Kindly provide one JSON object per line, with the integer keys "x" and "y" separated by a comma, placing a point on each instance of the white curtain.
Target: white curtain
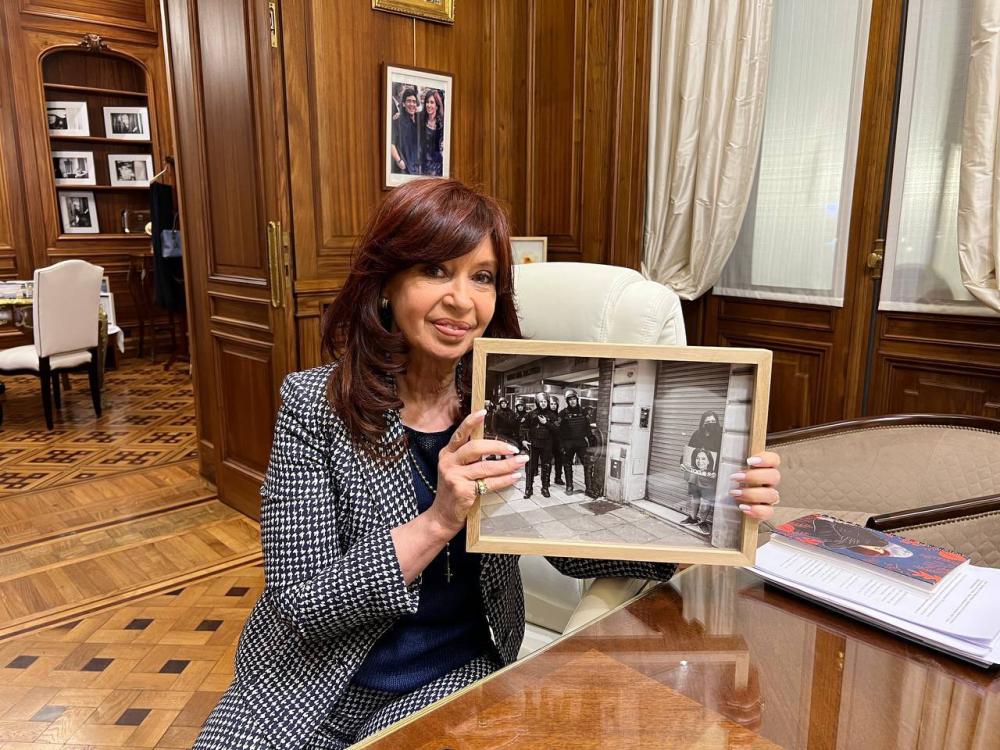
{"x": 979, "y": 176}
{"x": 707, "y": 91}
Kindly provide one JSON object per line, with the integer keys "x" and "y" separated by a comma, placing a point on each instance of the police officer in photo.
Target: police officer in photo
{"x": 520, "y": 415}
{"x": 557, "y": 452}
{"x": 575, "y": 425}
{"x": 505, "y": 424}
{"x": 540, "y": 428}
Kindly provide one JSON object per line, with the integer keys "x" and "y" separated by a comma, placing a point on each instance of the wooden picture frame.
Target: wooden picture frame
{"x": 438, "y": 11}
{"x": 397, "y": 83}
{"x": 646, "y": 410}
{"x": 529, "y": 249}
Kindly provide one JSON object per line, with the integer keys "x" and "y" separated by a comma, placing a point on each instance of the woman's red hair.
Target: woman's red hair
{"x": 423, "y": 221}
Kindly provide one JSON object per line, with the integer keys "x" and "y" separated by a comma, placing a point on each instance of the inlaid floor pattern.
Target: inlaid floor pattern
{"x": 144, "y": 675}
{"x": 148, "y": 420}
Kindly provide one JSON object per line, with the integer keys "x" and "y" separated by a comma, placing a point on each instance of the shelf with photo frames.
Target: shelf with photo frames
{"x": 100, "y": 139}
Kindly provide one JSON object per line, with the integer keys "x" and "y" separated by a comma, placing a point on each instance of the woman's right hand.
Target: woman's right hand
{"x": 460, "y": 464}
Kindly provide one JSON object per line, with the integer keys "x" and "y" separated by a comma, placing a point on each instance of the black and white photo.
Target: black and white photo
{"x": 623, "y": 449}
{"x": 130, "y": 170}
{"x": 79, "y": 212}
{"x": 67, "y": 118}
{"x": 417, "y": 124}
{"x": 73, "y": 167}
{"x": 126, "y": 123}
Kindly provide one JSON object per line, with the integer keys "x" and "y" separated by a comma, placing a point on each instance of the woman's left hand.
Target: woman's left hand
{"x": 757, "y": 486}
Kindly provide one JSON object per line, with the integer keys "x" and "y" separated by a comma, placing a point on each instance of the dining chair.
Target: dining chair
{"x": 65, "y": 328}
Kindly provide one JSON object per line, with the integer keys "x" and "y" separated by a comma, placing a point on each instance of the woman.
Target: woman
{"x": 706, "y": 443}
{"x": 432, "y": 133}
{"x": 372, "y": 609}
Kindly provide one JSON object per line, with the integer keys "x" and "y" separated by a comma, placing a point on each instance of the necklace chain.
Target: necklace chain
{"x": 433, "y": 489}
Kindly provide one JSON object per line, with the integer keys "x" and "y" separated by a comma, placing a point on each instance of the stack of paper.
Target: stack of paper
{"x": 961, "y": 615}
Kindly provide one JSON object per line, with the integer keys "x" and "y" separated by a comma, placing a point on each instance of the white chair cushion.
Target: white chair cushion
{"x": 26, "y": 358}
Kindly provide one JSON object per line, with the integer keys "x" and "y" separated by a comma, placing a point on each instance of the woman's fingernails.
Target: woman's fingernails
{"x": 513, "y": 448}
{"x": 755, "y": 460}
{"x": 480, "y": 413}
{"x": 736, "y": 493}
{"x": 516, "y": 475}
{"x": 522, "y": 459}
{"x": 739, "y": 476}
{"x": 745, "y": 508}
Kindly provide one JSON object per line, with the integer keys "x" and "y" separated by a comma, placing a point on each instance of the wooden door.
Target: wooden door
{"x": 229, "y": 120}
{"x": 834, "y": 363}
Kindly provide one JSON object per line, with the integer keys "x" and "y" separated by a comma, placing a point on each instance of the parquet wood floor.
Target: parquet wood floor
{"x": 148, "y": 420}
{"x": 142, "y": 675}
{"x": 124, "y": 582}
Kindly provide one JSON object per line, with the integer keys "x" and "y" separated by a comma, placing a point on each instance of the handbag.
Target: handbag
{"x": 170, "y": 241}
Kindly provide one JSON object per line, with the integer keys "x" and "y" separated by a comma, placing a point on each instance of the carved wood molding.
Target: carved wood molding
{"x": 94, "y": 43}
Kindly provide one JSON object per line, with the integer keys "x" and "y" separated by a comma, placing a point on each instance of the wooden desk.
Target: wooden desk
{"x": 716, "y": 659}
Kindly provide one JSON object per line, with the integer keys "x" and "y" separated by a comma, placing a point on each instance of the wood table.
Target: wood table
{"x": 717, "y": 659}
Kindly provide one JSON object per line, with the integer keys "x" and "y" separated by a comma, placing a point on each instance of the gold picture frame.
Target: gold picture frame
{"x": 438, "y": 11}
{"x": 641, "y": 404}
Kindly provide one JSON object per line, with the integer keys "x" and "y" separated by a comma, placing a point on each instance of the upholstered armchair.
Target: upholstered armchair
{"x": 65, "y": 317}
{"x": 930, "y": 477}
{"x": 586, "y": 302}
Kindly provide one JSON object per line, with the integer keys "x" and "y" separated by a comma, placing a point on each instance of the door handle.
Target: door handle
{"x": 274, "y": 263}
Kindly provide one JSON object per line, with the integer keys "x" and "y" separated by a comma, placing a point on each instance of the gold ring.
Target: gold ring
{"x": 481, "y": 488}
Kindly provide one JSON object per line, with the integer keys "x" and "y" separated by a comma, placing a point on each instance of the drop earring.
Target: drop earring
{"x": 383, "y": 303}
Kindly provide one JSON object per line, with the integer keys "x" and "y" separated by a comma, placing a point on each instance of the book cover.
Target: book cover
{"x": 921, "y": 563}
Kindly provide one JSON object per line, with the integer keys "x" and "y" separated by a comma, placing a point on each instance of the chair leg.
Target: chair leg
{"x": 57, "y": 390}
{"x": 45, "y": 375}
{"x": 66, "y": 385}
{"x": 95, "y": 382}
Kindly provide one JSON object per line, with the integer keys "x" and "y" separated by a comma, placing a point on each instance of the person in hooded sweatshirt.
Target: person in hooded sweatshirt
{"x": 702, "y": 473}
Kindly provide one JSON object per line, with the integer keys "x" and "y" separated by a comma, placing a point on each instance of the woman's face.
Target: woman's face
{"x": 441, "y": 307}
{"x": 430, "y": 106}
{"x": 701, "y": 461}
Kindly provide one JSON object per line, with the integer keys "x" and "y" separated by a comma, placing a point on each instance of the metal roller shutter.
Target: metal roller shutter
{"x": 684, "y": 391}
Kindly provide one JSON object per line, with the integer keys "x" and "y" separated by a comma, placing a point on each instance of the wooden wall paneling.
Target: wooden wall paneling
{"x": 309, "y": 334}
{"x": 15, "y": 252}
{"x": 333, "y": 80}
{"x": 508, "y": 106}
{"x": 121, "y": 14}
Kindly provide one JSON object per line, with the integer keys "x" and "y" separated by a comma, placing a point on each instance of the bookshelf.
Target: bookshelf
{"x": 78, "y": 81}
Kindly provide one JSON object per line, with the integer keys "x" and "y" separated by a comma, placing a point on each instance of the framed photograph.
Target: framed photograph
{"x": 439, "y": 11}
{"x": 416, "y": 124}
{"x": 79, "y": 212}
{"x": 130, "y": 170}
{"x": 126, "y": 123}
{"x": 74, "y": 167}
{"x": 530, "y": 249}
{"x": 631, "y": 449}
{"x": 67, "y": 118}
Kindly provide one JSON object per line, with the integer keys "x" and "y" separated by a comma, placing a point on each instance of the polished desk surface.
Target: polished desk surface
{"x": 717, "y": 659}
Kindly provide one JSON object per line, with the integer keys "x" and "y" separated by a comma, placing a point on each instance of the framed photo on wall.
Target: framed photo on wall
{"x": 79, "y": 212}
{"x": 416, "y": 124}
{"x": 130, "y": 170}
{"x": 439, "y": 11}
{"x": 74, "y": 167}
{"x": 126, "y": 123}
{"x": 631, "y": 449}
{"x": 67, "y": 118}
{"x": 529, "y": 249}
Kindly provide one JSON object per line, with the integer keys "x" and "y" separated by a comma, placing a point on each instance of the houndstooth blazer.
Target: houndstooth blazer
{"x": 333, "y": 584}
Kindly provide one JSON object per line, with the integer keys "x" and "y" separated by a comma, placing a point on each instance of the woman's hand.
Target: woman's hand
{"x": 756, "y": 490}
{"x": 460, "y": 464}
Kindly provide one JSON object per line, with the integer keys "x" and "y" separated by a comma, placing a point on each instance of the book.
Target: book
{"x": 960, "y": 616}
{"x": 922, "y": 566}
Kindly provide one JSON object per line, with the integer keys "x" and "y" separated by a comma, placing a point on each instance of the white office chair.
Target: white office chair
{"x": 585, "y": 302}
{"x": 65, "y": 321}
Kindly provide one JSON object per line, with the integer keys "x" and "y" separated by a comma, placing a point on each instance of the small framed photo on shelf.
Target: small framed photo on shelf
{"x": 645, "y": 439}
{"x": 67, "y": 118}
{"x": 134, "y": 221}
{"x": 529, "y": 249}
{"x": 416, "y": 126}
{"x": 79, "y": 212}
{"x": 74, "y": 167}
{"x": 126, "y": 123}
{"x": 130, "y": 170}
{"x": 439, "y": 11}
